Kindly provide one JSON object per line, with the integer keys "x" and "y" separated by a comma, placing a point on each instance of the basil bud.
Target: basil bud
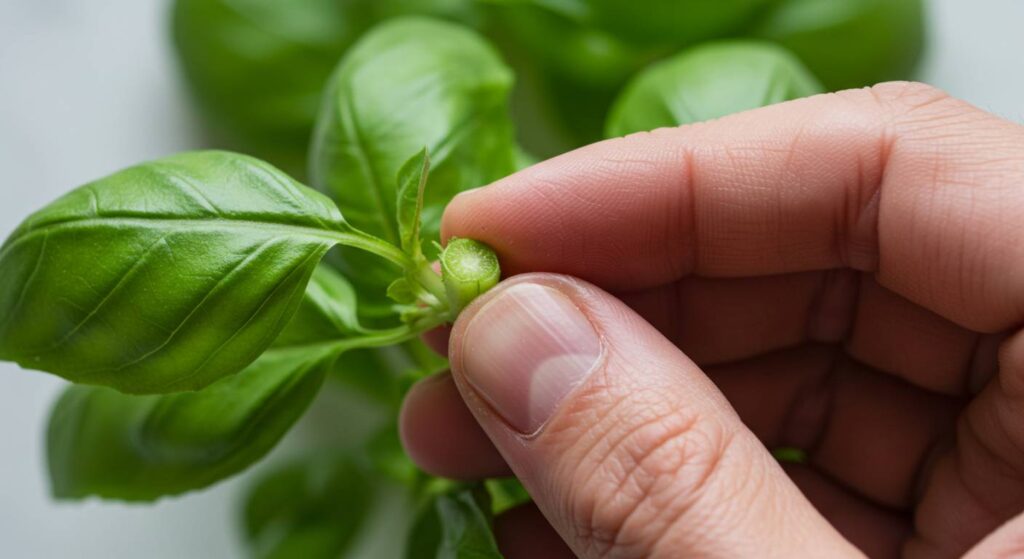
{"x": 468, "y": 268}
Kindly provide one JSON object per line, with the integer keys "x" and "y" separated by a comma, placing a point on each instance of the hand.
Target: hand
{"x": 842, "y": 274}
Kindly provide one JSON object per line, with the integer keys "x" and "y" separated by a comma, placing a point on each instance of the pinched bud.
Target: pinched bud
{"x": 468, "y": 268}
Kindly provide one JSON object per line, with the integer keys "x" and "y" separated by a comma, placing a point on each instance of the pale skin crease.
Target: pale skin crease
{"x": 843, "y": 273}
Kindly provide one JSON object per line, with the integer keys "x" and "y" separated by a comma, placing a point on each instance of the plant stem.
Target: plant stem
{"x": 371, "y": 244}
{"x": 426, "y": 276}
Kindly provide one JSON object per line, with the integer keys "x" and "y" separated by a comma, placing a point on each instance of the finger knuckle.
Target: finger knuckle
{"x": 907, "y": 95}
{"x": 648, "y": 475}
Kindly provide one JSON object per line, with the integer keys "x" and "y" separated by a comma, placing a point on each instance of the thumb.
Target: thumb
{"x": 626, "y": 446}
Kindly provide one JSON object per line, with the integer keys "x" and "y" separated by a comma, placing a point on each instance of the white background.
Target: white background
{"x": 89, "y": 87}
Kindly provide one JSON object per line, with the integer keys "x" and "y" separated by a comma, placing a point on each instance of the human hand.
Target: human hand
{"x": 842, "y": 274}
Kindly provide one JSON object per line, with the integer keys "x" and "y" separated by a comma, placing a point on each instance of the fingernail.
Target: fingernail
{"x": 526, "y": 350}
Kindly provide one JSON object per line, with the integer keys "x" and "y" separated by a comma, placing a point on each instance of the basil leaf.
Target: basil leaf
{"x": 506, "y": 493}
{"x": 407, "y": 84}
{"x": 105, "y": 443}
{"x": 568, "y": 71}
{"x": 166, "y": 276}
{"x": 258, "y": 67}
{"x": 709, "y": 81}
{"x": 310, "y": 509}
{"x": 412, "y": 180}
{"x": 678, "y": 22}
{"x": 455, "y": 525}
{"x": 850, "y": 43}
{"x": 327, "y": 312}
{"x": 101, "y": 442}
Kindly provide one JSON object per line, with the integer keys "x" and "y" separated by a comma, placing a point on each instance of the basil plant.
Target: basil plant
{"x": 188, "y": 298}
{"x": 201, "y": 302}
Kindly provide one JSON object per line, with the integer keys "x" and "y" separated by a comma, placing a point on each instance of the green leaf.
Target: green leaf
{"x": 327, "y": 312}
{"x": 677, "y": 22}
{"x": 850, "y": 43}
{"x": 454, "y": 525}
{"x": 707, "y": 82}
{"x": 412, "y": 181}
{"x": 568, "y": 70}
{"x": 506, "y": 493}
{"x": 104, "y": 443}
{"x": 166, "y": 276}
{"x": 310, "y": 509}
{"x": 401, "y": 291}
{"x": 389, "y": 458}
{"x": 258, "y": 67}
{"x": 788, "y": 454}
{"x": 407, "y": 84}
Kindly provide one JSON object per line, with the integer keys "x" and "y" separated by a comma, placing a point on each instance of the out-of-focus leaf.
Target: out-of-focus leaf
{"x": 710, "y": 81}
{"x": 389, "y": 458}
{"x": 506, "y": 493}
{"x": 312, "y": 509}
{"x": 850, "y": 43}
{"x": 674, "y": 22}
{"x": 257, "y": 67}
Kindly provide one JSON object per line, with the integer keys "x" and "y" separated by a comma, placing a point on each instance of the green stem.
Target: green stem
{"x": 371, "y": 244}
{"x": 392, "y": 336}
{"x": 428, "y": 278}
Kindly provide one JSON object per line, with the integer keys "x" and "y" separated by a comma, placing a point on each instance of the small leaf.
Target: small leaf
{"x": 506, "y": 493}
{"x": 412, "y": 180}
{"x": 401, "y": 291}
{"x": 454, "y": 525}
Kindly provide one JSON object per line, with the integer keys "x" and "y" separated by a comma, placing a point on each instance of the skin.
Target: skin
{"x": 843, "y": 273}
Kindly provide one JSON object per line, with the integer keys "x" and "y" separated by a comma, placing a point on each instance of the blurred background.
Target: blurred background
{"x": 87, "y": 88}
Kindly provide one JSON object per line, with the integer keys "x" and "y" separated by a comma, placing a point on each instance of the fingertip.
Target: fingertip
{"x": 441, "y": 436}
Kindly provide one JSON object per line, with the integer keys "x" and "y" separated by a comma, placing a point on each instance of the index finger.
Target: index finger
{"x": 901, "y": 180}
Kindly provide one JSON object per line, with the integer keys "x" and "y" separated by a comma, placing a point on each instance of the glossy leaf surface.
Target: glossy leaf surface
{"x": 407, "y": 84}
{"x": 850, "y": 43}
{"x": 165, "y": 276}
{"x": 710, "y": 81}
{"x": 113, "y": 445}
